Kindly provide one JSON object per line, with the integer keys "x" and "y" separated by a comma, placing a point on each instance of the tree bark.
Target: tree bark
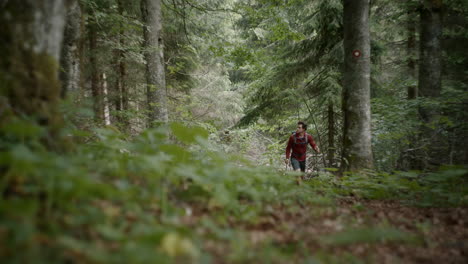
{"x": 117, "y": 92}
{"x": 430, "y": 72}
{"x": 70, "y": 60}
{"x": 411, "y": 48}
{"x": 154, "y": 56}
{"x": 121, "y": 98}
{"x": 95, "y": 80}
{"x": 430, "y": 51}
{"x": 331, "y": 135}
{"x": 357, "y": 149}
{"x": 105, "y": 100}
{"x": 408, "y": 158}
{"x": 31, "y": 35}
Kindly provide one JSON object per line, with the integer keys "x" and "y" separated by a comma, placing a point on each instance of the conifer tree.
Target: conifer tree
{"x": 154, "y": 56}
{"x": 357, "y": 149}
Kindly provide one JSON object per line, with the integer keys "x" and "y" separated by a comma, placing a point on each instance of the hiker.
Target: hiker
{"x": 298, "y": 144}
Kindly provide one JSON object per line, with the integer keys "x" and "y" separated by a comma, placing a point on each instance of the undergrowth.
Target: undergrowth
{"x": 114, "y": 200}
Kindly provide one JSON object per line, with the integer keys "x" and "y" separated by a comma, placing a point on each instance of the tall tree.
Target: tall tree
{"x": 70, "y": 59}
{"x": 331, "y": 134}
{"x": 154, "y": 56}
{"x": 409, "y": 156}
{"x": 430, "y": 81}
{"x": 30, "y": 40}
{"x": 430, "y": 51}
{"x": 411, "y": 49}
{"x": 357, "y": 149}
{"x": 105, "y": 99}
{"x": 95, "y": 77}
{"x": 121, "y": 89}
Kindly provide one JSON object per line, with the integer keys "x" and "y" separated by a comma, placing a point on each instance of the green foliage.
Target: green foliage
{"x": 369, "y": 235}
{"x": 114, "y": 200}
{"x": 397, "y": 127}
{"x": 292, "y": 72}
{"x": 188, "y": 134}
{"x": 395, "y": 122}
{"x": 118, "y": 198}
{"x": 446, "y": 187}
{"x": 119, "y": 201}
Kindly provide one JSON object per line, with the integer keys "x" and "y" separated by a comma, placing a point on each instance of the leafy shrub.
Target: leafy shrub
{"x": 114, "y": 200}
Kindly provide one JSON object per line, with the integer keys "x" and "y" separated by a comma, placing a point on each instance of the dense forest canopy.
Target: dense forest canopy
{"x": 155, "y": 131}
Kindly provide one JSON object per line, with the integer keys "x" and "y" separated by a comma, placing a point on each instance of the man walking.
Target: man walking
{"x": 298, "y": 144}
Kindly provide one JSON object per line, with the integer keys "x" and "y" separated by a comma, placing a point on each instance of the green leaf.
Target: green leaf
{"x": 178, "y": 153}
{"x": 22, "y": 154}
{"x": 23, "y": 128}
{"x": 369, "y": 235}
{"x": 109, "y": 232}
{"x": 446, "y": 175}
{"x": 188, "y": 135}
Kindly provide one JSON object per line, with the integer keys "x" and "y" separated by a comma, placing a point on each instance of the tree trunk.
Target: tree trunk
{"x": 117, "y": 92}
{"x": 154, "y": 56}
{"x": 331, "y": 135}
{"x": 430, "y": 72}
{"x": 70, "y": 60}
{"x": 95, "y": 80}
{"x": 408, "y": 158}
{"x": 430, "y": 51}
{"x": 121, "y": 98}
{"x": 357, "y": 149}
{"x": 411, "y": 47}
{"x": 31, "y": 35}
{"x": 105, "y": 100}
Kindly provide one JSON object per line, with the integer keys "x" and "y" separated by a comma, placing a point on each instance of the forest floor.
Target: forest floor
{"x": 99, "y": 205}
{"x": 353, "y": 231}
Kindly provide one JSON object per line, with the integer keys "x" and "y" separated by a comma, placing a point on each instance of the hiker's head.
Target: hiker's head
{"x": 301, "y": 127}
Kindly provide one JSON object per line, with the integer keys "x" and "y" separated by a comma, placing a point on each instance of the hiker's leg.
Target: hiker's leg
{"x": 302, "y": 164}
{"x": 295, "y": 164}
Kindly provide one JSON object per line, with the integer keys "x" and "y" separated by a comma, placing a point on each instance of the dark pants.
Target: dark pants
{"x": 298, "y": 164}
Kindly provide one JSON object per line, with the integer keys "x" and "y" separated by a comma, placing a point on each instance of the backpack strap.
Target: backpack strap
{"x": 295, "y": 139}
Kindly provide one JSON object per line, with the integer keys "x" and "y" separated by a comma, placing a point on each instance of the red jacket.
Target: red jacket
{"x": 299, "y": 150}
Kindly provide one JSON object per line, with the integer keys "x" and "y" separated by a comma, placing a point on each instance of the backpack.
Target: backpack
{"x": 300, "y": 143}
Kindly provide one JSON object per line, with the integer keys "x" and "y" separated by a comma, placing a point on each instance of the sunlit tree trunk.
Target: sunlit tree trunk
{"x": 70, "y": 60}
{"x": 105, "y": 99}
{"x": 154, "y": 56}
{"x": 31, "y": 35}
{"x": 357, "y": 150}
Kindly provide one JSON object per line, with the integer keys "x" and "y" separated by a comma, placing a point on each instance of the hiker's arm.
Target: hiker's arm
{"x": 313, "y": 145}
{"x": 289, "y": 147}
